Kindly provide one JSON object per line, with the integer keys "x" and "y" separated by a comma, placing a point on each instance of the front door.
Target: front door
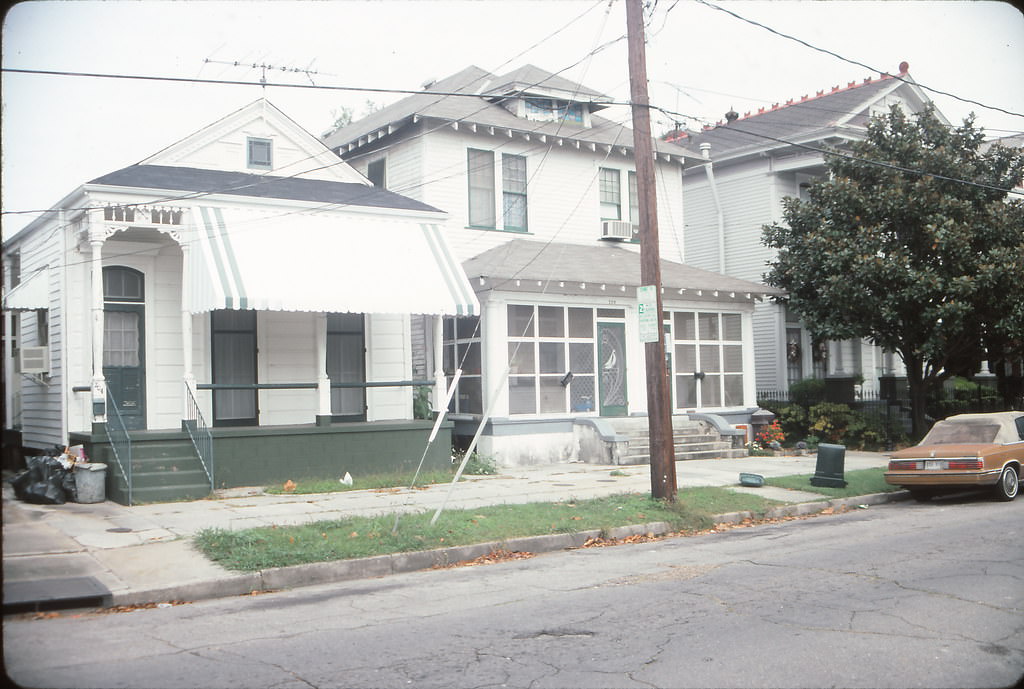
{"x": 611, "y": 353}
{"x": 234, "y": 363}
{"x": 124, "y": 343}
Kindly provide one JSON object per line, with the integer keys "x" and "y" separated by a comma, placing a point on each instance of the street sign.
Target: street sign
{"x": 647, "y": 310}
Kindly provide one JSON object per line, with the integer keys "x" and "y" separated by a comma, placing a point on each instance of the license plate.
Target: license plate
{"x": 934, "y": 465}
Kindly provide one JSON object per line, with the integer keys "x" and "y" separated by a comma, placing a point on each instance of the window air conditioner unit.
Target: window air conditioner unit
{"x": 616, "y": 229}
{"x": 33, "y": 360}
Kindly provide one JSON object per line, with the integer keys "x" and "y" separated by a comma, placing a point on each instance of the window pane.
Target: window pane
{"x": 470, "y": 397}
{"x": 711, "y": 392}
{"x": 552, "y": 395}
{"x": 732, "y": 327}
{"x": 708, "y": 326}
{"x": 733, "y": 391}
{"x": 611, "y": 313}
{"x": 466, "y": 328}
{"x": 686, "y": 358}
{"x": 513, "y": 211}
{"x": 551, "y": 321}
{"x": 610, "y": 194}
{"x": 469, "y": 358}
{"x": 520, "y": 321}
{"x": 709, "y": 359}
{"x": 552, "y": 357}
{"x": 581, "y": 391}
{"x": 522, "y": 395}
{"x": 481, "y": 188}
{"x": 634, "y": 199}
{"x": 732, "y": 358}
{"x": 685, "y": 326}
{"x": 513, "y": 173}
{"x": 521, "y": 357}
{"x": 581, "y": 358}
{"x": 581, "y": 323}
{"x": 449, "y": 359}
{"x": 686, "y": 391}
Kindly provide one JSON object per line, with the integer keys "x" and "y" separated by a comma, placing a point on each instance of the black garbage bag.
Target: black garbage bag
{"x": 42, "y": 482}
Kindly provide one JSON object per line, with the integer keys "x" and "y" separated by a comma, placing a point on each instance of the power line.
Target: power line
{"x": 854, "y": 62}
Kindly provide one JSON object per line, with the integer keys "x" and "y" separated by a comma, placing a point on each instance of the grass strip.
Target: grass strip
{"x": 261, "y": 548}
{"x": 859, "y": 482}
{"x": 362, "y": 482}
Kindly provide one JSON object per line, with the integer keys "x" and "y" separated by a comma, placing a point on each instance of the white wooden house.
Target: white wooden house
{"x": 541, "y": 189}
{"x": 244, "y": 279}
{"x": 749, "y": 163}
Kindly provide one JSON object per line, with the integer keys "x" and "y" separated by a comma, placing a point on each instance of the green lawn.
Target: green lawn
{"x": 255, "y": 549}
{"x": 860, "y": 482}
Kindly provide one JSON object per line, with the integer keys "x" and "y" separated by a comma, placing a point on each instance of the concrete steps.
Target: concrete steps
{"x": 691, "y": 440}
{"x": 165, "y": 468}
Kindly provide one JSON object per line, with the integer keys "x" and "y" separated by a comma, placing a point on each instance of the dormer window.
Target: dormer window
{"x": 260, "y": 153}
{"x": 551, "y": 110}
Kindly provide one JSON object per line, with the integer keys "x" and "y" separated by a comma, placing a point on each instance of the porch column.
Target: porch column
{"x": 99, "y": 383}
{"x": 186, "y": 332}
{"x": 440, "y": 382}
{"x": 323, "y": 382}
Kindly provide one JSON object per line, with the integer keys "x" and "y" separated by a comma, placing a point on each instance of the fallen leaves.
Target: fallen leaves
{"x": 494, "y": 557}
{"x": 289, "y": 486}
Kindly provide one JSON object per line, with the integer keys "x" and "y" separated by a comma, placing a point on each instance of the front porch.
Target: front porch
{"x": 164, "y": 465}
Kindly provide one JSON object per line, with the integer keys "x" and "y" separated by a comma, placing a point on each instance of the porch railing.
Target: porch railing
{"x": 199, "y": 432}
{"x": 120, "y": 442}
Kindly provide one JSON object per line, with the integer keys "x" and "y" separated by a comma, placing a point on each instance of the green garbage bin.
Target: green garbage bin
{"x": 829, "y": 469}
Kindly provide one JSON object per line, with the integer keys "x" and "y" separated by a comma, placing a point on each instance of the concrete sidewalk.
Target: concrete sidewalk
{"x": 105, "y": 554}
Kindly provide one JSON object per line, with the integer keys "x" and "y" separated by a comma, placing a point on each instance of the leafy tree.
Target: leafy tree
{"x": 895, "y": 247}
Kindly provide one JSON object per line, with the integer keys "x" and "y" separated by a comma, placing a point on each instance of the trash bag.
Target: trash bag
{"x": 42, "y": 482}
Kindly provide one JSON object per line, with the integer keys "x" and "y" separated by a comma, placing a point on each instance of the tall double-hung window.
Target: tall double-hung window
{"x": 707, "y": 359}
{"x": 481, "y": 188}
{"x": 611, "y": 194}
{"x": 513, "y": 187}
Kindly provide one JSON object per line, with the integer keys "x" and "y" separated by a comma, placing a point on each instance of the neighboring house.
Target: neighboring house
{"x": 246, "y": 279}
{"x": 542, "y": 195}
{"x": 750, "y": 163}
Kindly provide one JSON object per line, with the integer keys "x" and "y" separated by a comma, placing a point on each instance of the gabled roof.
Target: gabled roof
{"x": 606, "y": 269}
{"x": 190, "y": 182}
{"x": 803, "y": 119}
{"x": 483, "y": 111}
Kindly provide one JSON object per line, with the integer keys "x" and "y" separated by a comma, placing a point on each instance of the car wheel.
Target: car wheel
{"x": 1008, "y": 485}
{"x": 920, "y": 494}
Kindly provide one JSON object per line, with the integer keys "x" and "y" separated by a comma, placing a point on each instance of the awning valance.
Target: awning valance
{"x": 31, "y": 294}
{"x": 328, "y": 262}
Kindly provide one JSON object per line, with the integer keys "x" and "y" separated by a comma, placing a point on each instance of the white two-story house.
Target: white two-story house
{"x": 541, "y": 191}
{"x": 749, "y": 163}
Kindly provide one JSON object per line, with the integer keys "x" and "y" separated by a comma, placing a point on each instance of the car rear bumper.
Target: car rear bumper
{"x": 985, "y": 477}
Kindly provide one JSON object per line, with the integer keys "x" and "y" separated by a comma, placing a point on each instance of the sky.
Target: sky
{"x": 62, "y": 131}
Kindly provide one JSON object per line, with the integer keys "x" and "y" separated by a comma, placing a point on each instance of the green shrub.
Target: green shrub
{"x": 807, "y": 392}
{"x": 830, "y": 420}
{"x": 794, "y": 422}
{"x": 478, "y": 465}
{"x": 421, "y": 408}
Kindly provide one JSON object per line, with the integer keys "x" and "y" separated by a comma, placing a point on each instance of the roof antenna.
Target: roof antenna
{"x": 263, "y": 67}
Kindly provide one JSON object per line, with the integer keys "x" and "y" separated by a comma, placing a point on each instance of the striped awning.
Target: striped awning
{"x": 326, "y": 262}
{"x": 31, "y": 294}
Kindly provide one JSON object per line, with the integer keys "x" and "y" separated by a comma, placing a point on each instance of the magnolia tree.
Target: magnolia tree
{"x": 914, "y": 241}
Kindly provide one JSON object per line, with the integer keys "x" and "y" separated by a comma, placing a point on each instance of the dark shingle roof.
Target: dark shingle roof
{"x": 484, "y": 113}
{"x": 200, "y": 182}
{"x": 793, "y": 119}
{"x": 608, "y": 263}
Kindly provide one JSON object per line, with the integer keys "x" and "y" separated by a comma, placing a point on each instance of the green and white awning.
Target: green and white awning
{"x": 327, "y": 261}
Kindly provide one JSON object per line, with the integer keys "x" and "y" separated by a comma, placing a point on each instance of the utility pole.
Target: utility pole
{"x": 659, "y": 413}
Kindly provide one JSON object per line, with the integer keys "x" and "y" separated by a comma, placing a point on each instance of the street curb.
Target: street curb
{"x": 316, "y": 573}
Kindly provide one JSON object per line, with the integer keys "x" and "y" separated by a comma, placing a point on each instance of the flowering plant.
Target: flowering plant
{"x": 771, "y": 433}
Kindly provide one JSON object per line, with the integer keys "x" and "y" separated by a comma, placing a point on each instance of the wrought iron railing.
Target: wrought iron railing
{"x": 120, "y": 442}
{"x": 199, "y": 432}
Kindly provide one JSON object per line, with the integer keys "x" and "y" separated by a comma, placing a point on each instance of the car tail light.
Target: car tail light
{"x": 965, "y": 464}
{"x": 904, "y": 465}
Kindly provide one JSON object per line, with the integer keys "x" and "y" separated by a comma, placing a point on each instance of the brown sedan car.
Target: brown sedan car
{"x": 964, "y": 451}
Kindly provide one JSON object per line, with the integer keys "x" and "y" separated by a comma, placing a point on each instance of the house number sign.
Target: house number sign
{"x": 647, "y": 311}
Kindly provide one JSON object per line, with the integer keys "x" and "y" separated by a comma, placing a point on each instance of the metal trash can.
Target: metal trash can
{"x": 91, "y": 481}
{"x": 829, "y": 469}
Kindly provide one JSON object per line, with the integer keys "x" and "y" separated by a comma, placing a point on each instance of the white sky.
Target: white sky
{"x": 60, "y": 131}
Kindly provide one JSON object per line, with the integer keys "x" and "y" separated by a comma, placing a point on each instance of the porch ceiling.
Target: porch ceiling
{"x": 289, "y": 261}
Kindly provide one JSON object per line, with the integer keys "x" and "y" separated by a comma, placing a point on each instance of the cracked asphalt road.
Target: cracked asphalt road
{"x": 902, "y": 595}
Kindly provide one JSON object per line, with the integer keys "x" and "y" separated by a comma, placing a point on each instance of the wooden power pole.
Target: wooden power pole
{"x": 659, "y": 413}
